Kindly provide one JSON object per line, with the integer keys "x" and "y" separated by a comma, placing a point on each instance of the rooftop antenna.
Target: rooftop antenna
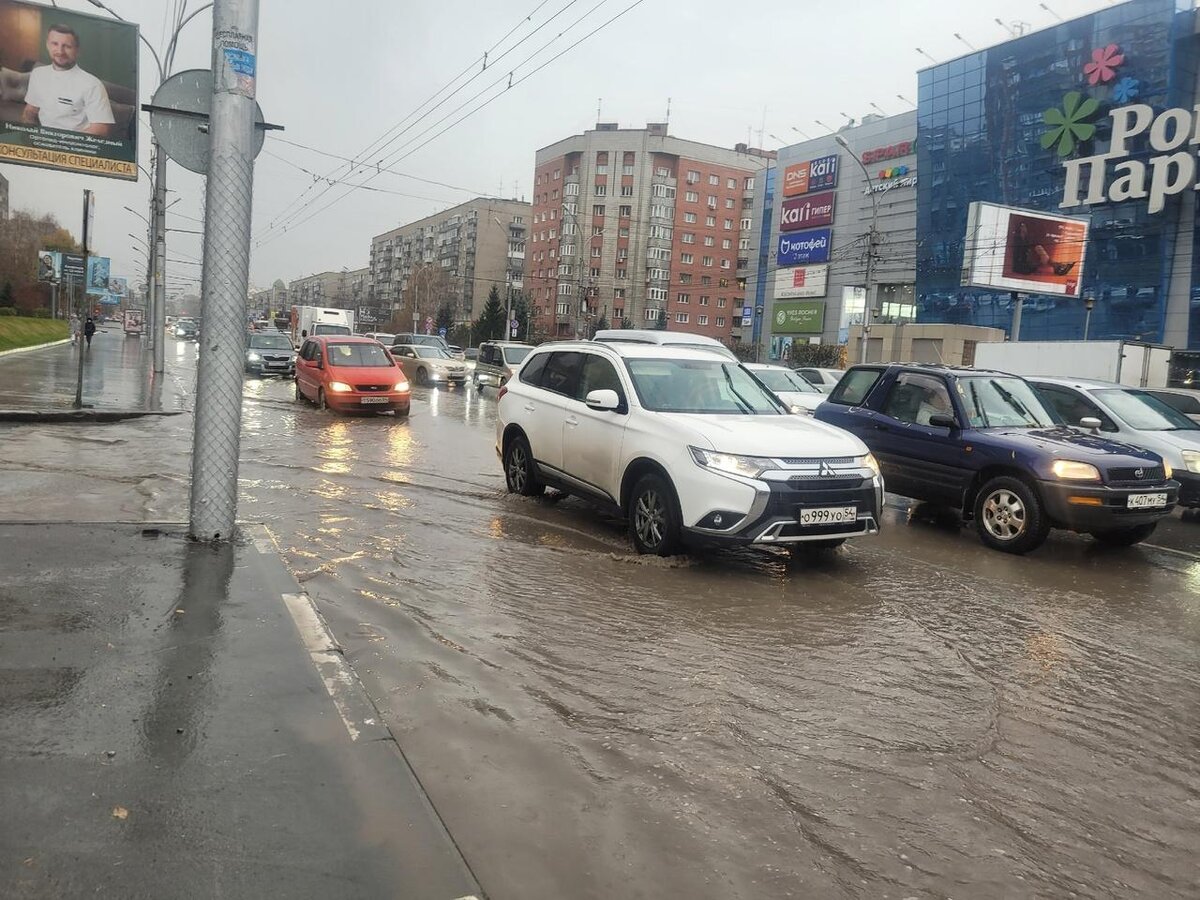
{"x": 822, "y": 124}
{"x": 875, "y": 106}
{"x": 965, "y": 42}
{"x": 599, "y": 108}
{"x": 1012, "y": 32}
{"x": 1052, "y": 12}
{"x": 906, "y": 100}
{"x": 927, "y": 56}
{"x": 801, "y": 133}
{"x": 668, "y": 110}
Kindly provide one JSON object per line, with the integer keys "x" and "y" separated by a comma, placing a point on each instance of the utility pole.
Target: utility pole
{"x": 218, "y": 419}
{"x": 872, "y": 243}
{"x": 87, "y": 248}
{"x": 158, "y": 258}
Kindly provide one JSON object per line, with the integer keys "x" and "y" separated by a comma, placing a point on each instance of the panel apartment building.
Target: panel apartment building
{"x": 634, "y": 227}
{"x": 342, "y": 290}
{"x": 455, "y": 256}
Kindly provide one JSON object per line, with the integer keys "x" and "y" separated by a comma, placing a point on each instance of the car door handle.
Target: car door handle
{"x": 572, "y": 421}
{"x": 878, "y": 426}
{"x": 529, "y": 407}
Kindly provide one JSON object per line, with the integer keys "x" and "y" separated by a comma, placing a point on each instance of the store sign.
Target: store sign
{"x": 893, "y": 151}
{"x": 805, "y": 281}
{"x": 804, "y": 247}
{"x": 1112, "y": 176}
{"x": 814, "y": 175}
{"x": 807, "y": 212}
{"x": 882, "y": 187}
{"x": 803, "y": 317}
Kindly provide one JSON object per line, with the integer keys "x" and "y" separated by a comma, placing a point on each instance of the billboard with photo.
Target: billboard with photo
{"x": 97, "y": 274}
{"x": 68, "y": 90}
{"x": 119, "y": 286}
{"x": 803, "y": 281}
{"x": 49, "y": 267}
{"x": 1025, "y": 251}
{"x": 804, "y": 247}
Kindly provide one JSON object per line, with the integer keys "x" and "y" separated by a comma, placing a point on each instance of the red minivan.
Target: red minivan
{"x": 350, "y": 374}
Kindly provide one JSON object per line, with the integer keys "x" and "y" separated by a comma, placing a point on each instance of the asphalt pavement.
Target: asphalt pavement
{"x": 911, "y": 716}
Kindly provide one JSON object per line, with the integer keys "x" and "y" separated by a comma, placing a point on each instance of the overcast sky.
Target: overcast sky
{"x": 337, "y": 76}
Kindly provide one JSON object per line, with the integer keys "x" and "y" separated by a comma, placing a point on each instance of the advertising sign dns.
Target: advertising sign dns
{"x": 814, "y": 175}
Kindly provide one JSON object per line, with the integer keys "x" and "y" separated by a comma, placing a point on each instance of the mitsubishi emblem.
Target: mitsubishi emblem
{"x": 825, "y": 470}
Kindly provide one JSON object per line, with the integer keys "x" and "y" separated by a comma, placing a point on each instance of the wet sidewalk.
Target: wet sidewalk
{"x": 118, "y": 378}
{"x": 175, "y": 722}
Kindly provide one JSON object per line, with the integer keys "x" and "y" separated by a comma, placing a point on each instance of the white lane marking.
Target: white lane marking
{"x": 327, "y": 659}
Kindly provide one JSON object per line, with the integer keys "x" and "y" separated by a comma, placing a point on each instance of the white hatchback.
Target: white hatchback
{"x": 686, "y": 444}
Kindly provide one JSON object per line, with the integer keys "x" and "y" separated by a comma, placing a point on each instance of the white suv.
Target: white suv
{"x": 687, "y": 445}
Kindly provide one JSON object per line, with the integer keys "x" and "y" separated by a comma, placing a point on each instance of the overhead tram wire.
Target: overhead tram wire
{"x": 483, "y": 105}
{"x": 482, "y": 62}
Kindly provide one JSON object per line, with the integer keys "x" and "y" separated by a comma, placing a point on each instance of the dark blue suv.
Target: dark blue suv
{"x": 984, "y": 442}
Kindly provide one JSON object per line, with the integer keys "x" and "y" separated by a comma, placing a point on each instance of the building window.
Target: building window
{"x": 744, "y": 243}
{"x": 720, "y": 321}
{"x": 658, "y": 253}
{"x": 687, "y": 259}
{"x": 714, "y": 179}
{"x": 564, "y": 309}
{"x": 706, "y": 280}
{"x": 707, "y": 262}
{"x": 685, "y": 277}
{"x": 594, "y": 272}
{"x": 570, "y": 190}
{"x": 748, "y": 184}
{"x": 598, "y": 210}
{"x": 729, "y": 224}
{"x": 726, "y": 264}
{"x": 564, "y": 269}
{"x": 658, "y": 275}
{"x": 596, "y": 251}
{"x": 664, "y": 192}
{"x": 729, "y": 203}
{"x": 623, "y": 232}
{"x": 557, "y": 174}
{"x": 662, "y": 232}
{"x": 689, "y": 218}
{"x": 688, "y": 238}
{"x": 693, "y": 177}
{"x": 712, "y": 201}
{"x": 726, "y": 244}
{"x": 566, "y": 290}
{"x": 731, "y": 184}
{"x": 619, "y": 294}
{"x": 627, "y": 190}
{"x": 659, "y": 211}
{"x": 652, "y": 314}
{"x": 569, "y": 209}
{"x": 683, "y": 298}
{"x": 701, "y": 320}
{"x": 657, "y": 294}
{"x": 704, "y": 301}
{"x": 601, "y": 190}
{"x": 721, "y": 301}
{"x": 709, "y": 241}
{"x": 662, "y": 172}
{"x": 627, "y": 169}
{"x": 597, "y": 230}
{"x": 681, "y": 318}
{"x": 622, "y": 274}
{"x": 552, "y": 215}
{"x": 625, "y": 212}
{"x": 553, "y": 234}
{"x": 746, "y": 223}
{"x": 568, "y": 229}
{"x": 622, "y": 253}
{"x": 691, "y": 197}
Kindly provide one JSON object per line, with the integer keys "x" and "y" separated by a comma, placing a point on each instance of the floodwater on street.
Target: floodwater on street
{"x": 911, "y": 716}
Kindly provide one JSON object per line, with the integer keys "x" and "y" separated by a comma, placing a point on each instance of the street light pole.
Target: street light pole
{"x": 872, "y": 240}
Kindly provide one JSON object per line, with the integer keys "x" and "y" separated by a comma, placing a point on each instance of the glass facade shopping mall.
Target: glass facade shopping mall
{"x": 1030, "y": 123}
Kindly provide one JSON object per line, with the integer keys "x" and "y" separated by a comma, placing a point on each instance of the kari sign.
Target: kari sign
{"x": 814, "y": 175}
{"x": 807, "y": 212}
{"x": 804, "y": 247}
{"x": 805, "y": 281}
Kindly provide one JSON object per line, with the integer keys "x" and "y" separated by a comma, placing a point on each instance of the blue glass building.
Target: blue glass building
{"x": 981, "y": 129}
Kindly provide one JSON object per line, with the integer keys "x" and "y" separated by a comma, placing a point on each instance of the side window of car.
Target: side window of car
{"x": 531, "y": 373}
{"x": 812, "y": 376}
{"x": 562, "y": 372}
{"x": 1073, "y": 407}
{"x": 854, "y": 387}
{"x": 914, "y": 398}
{"x": 598, "y": 374}
{"x": 309, "y": 348}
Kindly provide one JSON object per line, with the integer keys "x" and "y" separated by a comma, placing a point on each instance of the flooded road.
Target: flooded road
{"x": 913, "y": 716}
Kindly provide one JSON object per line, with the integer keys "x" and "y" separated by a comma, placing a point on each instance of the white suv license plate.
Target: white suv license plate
{"x": 373, "y": 400}
{"x": 1147, "y": 501}
{"x": 829, "y": 515}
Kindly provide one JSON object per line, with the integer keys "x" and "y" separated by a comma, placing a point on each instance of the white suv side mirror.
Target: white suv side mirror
{"x": 603, "y": 400}
{"x": 1091, "y": 423}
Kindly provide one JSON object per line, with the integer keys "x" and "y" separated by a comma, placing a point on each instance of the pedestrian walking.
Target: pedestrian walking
{"x": 89, "y": 329}
{"x": 74, "y": 331}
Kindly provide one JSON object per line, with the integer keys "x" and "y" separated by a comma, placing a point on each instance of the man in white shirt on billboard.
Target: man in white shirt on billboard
{"x": 64, "y": 96}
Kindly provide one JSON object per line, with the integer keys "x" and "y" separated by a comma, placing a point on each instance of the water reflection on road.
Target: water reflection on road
{"x": 913, "y": 716}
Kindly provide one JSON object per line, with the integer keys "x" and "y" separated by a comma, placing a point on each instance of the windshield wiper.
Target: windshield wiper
{"x": 746, "y": 407}
{"x": 1015, "y": 404}
{"x": 978, "y": 409}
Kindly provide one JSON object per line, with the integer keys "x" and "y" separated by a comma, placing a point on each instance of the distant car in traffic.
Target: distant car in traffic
{"x": 1184, "y": 400}
{"x": 186, "y": 329}
{"x": 429, "y": 340}
{"x": 793, "y": 391}
{"x": 348, "y": 373}
{"x": 426, "y": 364}
{"x": 684, "y": 443}
{"x": 382, "y": 337}
{"x": 497, "y": 361}
{"x": 1135, "y": 416}
{"x": 824, "y": 380}
{"x": 270, "y": 353}
{"x": 662, "y": 339}
{"x": 986, "y": 444}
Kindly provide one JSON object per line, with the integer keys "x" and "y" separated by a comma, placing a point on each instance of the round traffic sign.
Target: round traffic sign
{"x": 184, "y": 135}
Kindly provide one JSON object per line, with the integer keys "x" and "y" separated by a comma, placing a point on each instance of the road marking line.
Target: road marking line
{"x": 326, "y": 657}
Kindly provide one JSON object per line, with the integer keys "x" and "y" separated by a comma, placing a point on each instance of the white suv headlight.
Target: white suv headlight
{"x": 731, "y": 463}
{"x": 870, "y": 462}
{"x": 1191, "y": 459}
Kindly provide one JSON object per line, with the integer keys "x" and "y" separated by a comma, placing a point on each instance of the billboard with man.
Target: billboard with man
{"x": 68, "y": 90}
{"x": 1023, "y": 250}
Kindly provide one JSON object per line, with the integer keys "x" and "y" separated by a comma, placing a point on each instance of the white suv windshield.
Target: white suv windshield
{"x": 1144, "y": 412}
{"x": 699, "y": 386}
{"x": 784, "y": 381}
{"x": 514, "y": 356}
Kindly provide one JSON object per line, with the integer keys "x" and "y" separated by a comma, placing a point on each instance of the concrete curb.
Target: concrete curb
{"x": 81, "y": 415}
{"x": 4, "y": 353}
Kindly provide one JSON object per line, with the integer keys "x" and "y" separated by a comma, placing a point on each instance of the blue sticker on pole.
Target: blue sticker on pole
{"x": 241, "y": 61}
{"x": 241, "y": 64}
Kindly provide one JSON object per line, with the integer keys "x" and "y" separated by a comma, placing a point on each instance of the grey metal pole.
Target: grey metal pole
{"x": 151, "y": 258}
{"x": 1015, "y": 334}
{"x": 87, "y": 248}
{"x": 159, "y": 252}
{"x": 1087, "y": 321}
{"x": 218, "y": 420}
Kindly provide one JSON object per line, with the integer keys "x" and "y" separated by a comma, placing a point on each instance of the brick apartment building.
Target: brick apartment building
{"x": 455, "y": 256}
{"x": 633, "y": 225}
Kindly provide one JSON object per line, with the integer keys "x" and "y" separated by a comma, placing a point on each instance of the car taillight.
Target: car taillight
{"x": 503, "y": 391}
